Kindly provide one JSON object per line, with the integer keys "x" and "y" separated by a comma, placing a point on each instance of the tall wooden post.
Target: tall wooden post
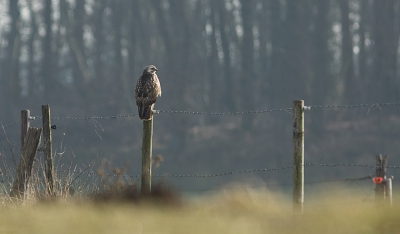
{"x": 380, "y": 172}
{"x": 298, "y": 155}
{"x": 25, "y": 115}
{"x": 48, "y": 149}
{"x": 24, "y": 170}
{"x": 383, "y": 189}
{"x": 388, "y": 191}
{"x": 146, "y": 156}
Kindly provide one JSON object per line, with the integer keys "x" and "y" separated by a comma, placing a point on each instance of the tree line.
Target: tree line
{"x": 223, "y": 55}
{"x": 83, "y": 57}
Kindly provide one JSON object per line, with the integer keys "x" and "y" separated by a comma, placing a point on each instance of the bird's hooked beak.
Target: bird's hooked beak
{"x": 151, "y": 69}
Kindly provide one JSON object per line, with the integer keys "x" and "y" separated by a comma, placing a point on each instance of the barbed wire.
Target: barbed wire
{"x": 348, "y": 165}
{"x": 339, "y": 165}
{"x": 355, "y": 105}
{"x": 10, "y": 124}
{"x": 88, "y": 118}
{"x": 192, "y": 175}
{"x": 308, "y": 107}
{"x": 243, "y": 171}
{"x": 167, "y": 112}
{"x": 225, "y": 113}
{"x": 276, "y": 184}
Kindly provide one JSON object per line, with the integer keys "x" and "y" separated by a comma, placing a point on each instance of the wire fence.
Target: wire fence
{"x": 251, "y": 171}
{"x": 309, "y": 107}
{"x": 368, "y": 177}
{"x": 244, "y": 171}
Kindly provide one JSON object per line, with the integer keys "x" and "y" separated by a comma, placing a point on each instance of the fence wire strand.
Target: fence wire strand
{"x": 355, "y": 105}
{"x": 225, "y": 113}
{"x": 309, "y": 107}
{"x": 10, "y": 124}
{"x": 339, "y": 165}
{"x": 89, "y": 118}
{"x": 248, "y": 171}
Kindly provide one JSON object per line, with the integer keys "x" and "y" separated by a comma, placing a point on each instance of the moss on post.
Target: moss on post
{"x": 146, "y": 156}
{"x": 298, "y": 155}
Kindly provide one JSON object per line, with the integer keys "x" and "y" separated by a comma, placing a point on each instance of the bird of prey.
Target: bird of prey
{"x": 147, "y": 90}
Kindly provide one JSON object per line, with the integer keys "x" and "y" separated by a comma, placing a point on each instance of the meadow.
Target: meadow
{"x": 239, "y": 209}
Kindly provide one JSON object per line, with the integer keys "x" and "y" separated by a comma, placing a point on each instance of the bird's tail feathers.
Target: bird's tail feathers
{"x": 145, "y": 112}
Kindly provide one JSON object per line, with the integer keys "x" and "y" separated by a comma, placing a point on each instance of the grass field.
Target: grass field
{"x": 238, "y": 210}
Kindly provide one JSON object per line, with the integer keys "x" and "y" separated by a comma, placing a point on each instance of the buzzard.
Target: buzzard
{"x": 146, "y": 92}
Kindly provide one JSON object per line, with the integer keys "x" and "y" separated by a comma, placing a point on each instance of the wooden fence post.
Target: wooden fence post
{"x": 298, "y": 155}
{"x": 146, "y": 156}
{"x": 380, "y": 172}
{"x": 24, "y": 170}
{"x": 25, "y": 116}
{"x": 388, "y": 190}
{"x": 383, "y": 188}
{"x": 48, "y": 150}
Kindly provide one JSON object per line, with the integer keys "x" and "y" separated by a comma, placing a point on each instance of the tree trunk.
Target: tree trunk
{"x": 49, "y": 80}
{"x": 75, "y": 41}
{"x": 230, "y": 97}
{"x": 99, "y": 37}
{"x": 118, "y": 89}
{"x": 351, "y": 92}
{"x": 277, "y": 72}
{"x": 211, "y": 80}
{"x": 32, "y": 76}
{"x": 385, "y": 86}
{"x": 135, "y": 45}
{"x": 248, "y": 75}
{"x": 79, "y": 60}
{"x": 299, "y": 64}
{"x": 11, "y": 71}
{"x": 363, "y": 69}
{"x": 323, "y": 83}
{"x": 323, "y": 86}
{"x": 176, "y": 35}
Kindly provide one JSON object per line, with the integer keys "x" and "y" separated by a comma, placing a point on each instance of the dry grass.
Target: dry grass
{"x": 113, "y": 205}
{"x": 237, "y": 210}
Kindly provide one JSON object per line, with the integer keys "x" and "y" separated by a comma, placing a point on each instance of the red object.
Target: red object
{"x": 377, "y": 180}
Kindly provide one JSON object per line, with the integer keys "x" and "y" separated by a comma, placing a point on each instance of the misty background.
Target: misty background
{"x": 83, "y": 58}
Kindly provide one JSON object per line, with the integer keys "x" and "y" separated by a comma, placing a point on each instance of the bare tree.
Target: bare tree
{"x": 99, "y": 48}
{"x": 351, "y": 92}
{"x": 11, "y": 65}
{"x": 77, "y": 44}
{"x": 323, "y": 85}
{"x": 75, "y": 41}
{"x": 134, "y": 40}
{"x": 364, "y": 55}
{"x": 298, "y": 54}
{"x": 248, "y": 75}
{"x": 49, "y": 80}
{"x": 385, "y": 85}
{"x": 212, "y": 80}
{"x": 117, "y": 86}
{"x": 277, "y": 71}
{"x": 225, "y": 30}
{"x": 32, "y": 76}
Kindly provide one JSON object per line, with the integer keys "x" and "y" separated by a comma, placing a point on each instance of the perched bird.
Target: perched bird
{"x": 147, "y": 90}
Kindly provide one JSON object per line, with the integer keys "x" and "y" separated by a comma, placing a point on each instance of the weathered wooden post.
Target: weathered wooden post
{"x": 25, "y": 117}
{"x": 380, "y": 173}
{"x": 388, "y": 190}
{"x": 146, "y": 156}
{"x": 298, "y": 155}
{"x": 24, "y": 169}
{"x": 48, "y": 150}
{"x": 383, "y": 188}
